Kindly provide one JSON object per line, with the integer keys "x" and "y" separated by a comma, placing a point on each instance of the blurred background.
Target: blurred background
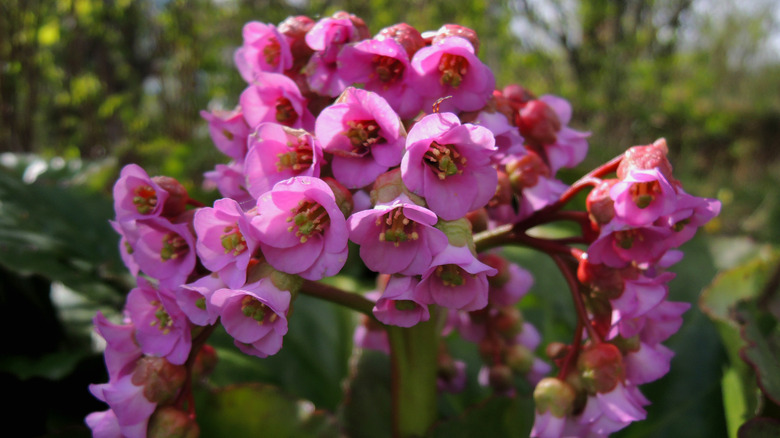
{"x": 87, "y": 86}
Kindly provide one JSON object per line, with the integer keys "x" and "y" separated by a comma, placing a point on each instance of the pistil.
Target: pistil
{"x": 444, "y": 160}
{"x": 453, "y": 68}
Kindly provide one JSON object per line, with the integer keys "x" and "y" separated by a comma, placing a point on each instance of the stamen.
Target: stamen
{"x": 387, "y": 69}
{"x": 363, "y": 134}
{"x": 233, "y": 241}
{"x": 174, "y": 246}
{"x": 285, "y": 113}
{"x": 397, "y": 228}
{"x": 272, "y": 51}
{"x": 308, "y": 218}
{"x": 299, "y": 158}
{"x": 145, "y": 199}
{"x": 444, "y": 160}
{"x": 453, "y": 68}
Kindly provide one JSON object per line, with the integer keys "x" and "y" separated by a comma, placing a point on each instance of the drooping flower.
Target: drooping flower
{"x": 164, "y": 250}
{"x": 228, "y": 130}
{"x": 264, "y": 50}
{"x": 364, "y": 135}
{"x": 642, "y": 197}
{"x": 136, "y": 195}
{"x": 301, "y": 229}
{"x": 275, "y": 98}
{"x": 456, "y": 280}
{"x": 449, "y": 165}
{"x": 397, "y": 305}
{"x": 328, "y": 37}
{"x": 194, "y": 299}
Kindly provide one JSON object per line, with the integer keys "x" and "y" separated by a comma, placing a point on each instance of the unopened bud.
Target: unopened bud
{"x": 603, "y": 280}
{"x": 407, "y": 36}
{"x": 500, "y": 378}
{"x": 520, "y": 359}
{"x": 449, "y": 30}
{"x": 458, "y": 232}
{"x": 161, "y": 379}
{"x": 389, "y": 186}
{"x": 205, "y": 362}
{"x": 171, "y": 422}
{"x": 177, "y": 196}
{"x": 647, "y": 157}
{"x": 361, "y": 29}
{"x": 538, "y": 123}
{"x": 500, "y": 264}
{"x": 601, "y": 368}
{"x": 524, "y": 172}
{"x": 508, "y": 322}
{"x": 342, "y": 194}
{"x": 295, "y": 29}
{"x": 554, "y": 395}
{"x": 517, "y": 96}
{"x": 599, "y": 204}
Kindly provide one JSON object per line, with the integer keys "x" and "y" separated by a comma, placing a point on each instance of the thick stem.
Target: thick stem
{"x": 335, "y": 295}
{"x": 414, "y": 367}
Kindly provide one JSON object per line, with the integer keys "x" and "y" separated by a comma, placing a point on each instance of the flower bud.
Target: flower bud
{"x": 389, "y": 186}
{"x": 601, "y": 368}
{"x": 524, "y": 172}
{"x": 517, "y": 96}
{"x": 171, "y": 422}
{"x": 599, "y": 204}
{"x": 295, "y": 28}
{"x": 556, "y": 350}
{"x": 458, "y": 232}
{"x": 205, "y": 362}
{"x": 508, "y": 322}
{"x": 491, "y": 349}
{"x": 361, "y": 29}
{"x": 177, "y": 196}
{"x": 606, "y": 282}
{"x": 479, "y": 220}
{"x": 647, "y": 157}
{"x": 500, "y": 264}
{"x": 519, "y": 358}
{"x": 538, "y": 123}
{"x": 407, "y": 36}
{"x": 342, "y": 194}
{"x": 449, "y": 30}
{"x": 554, "y": 395}
{"x": 500, "y": 378}
{"x": 161, "y": 379}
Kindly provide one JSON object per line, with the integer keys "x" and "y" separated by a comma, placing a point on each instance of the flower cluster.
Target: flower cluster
{"x": 408, "y": 165}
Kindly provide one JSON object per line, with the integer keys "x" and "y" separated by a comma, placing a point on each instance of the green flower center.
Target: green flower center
{"x": 396, "y": 227}
{"x": 452, "y": 68}
{"x": 145, "y": 199}
{"x": 308, "y": 218}
{"x": 444, "y": 160}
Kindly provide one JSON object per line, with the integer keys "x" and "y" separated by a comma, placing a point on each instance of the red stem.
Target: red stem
{"x": 579, "y": 304}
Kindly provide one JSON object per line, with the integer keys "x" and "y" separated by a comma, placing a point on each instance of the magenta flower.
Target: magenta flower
{"x": 131, "y": 409}
{"x": 689, "y": 214}
{"x": 649, "y": 363}
{"x": 127, "y": 231}
{"x": 570, "y": 146}
{"x": 382, "y": 65}
{"x": 225, "y": 243}
{"x": 508, "y": 138}
{"x": 456, "y": 280}
{"x": 397, "y": 305}
{"x": 642, "y": 197}
{"x": 449, "y": 165}
{"x": 121, "y": 351}
{"x": 609, "y": 412}
{"x": 230, "y": 180}
{"x": 136, "y": 195}
{"x": 301, "y": 229}
{"x": 265, "y": 49}
{"x": 228, "y": 131}
{"x": 397, "y": 238}
{"x": 164, "y": 250}
{"x": 328, "y": 36}
{"x": 103, "y": 424}
{"x": 162, "y": 329}
{"x": 640, "y": 296}
{"x": 275, "y": 98}
{"x": 619, "y": 245}
{"x": 194, "y": 299}
{"x": 254, "y": 315}
{"x": 449, "y": 67}
{"x": 276, "y": 153}
{"x": 364, "y": 135}
{"x": 517, "y": 285}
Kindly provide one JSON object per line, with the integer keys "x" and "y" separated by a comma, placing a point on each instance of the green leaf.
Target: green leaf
{"x": 760, "y": 428}
{"x": 253, "y": 410}
{"x": 761, "y": 332}
{"x": 494, "y": 417}
{"x": 367, "y": 403}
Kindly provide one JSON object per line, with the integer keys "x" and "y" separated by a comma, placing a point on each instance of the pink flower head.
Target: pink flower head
{"x": 194, "y": 299}
{"x": 648, "y": 363}
{"x": 456, "y": 280}
{"x": 642, "y": 197}
{"x": 265, "y": 49}
{"x": 640, "y": 296}
{"x": 609, "y": 412}
{"x": 122, "y": 351}
{"x": 382, "y": 65}
{"x": 131, "y": 409}
{"x": 164, "y": 250}
{"x": 276, "y": 153}
{"x": 449, "y": 165}
{"x": 397, "y": 305}
{"x": 228, "y": 131}
{"x": 275, "y": 98}
{"x": 689, "y": 214}
{"x": 136, "y": 195}
{"x": 397, "y": 237}
{"x": 450, "y": 67}
{"x": 301, "y": 229}
{"x": 619, "y": 245}
{"x": 364, "y": 135}
{"x": 230, "y": 181}
{"x": 254, "y": 315}
{"x": 225, "y": 243}
{"x": 162, "y": 329}
{"x": 570, "y": 146}
{"x": 508, "y": 138}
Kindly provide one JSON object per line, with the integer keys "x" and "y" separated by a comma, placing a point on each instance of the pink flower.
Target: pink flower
{"x": 456, "y": 280}
{"x": 121, "y": 351}
{"x": 328, "y": 36}
{"x": 570, "y": 146}
{"x": 265, "y": 49}
{"x": 689, "y": 214}
{"x": 397, "y": 305}
{"x": 230, "y": 181}
{"x": 275, "y": 98}
{"x": 103, "y": 424}
{"x": 449, "y": 165}
{"x": 642, "y": 197}
{"x": 137, "y": 196}
{"x": 225, "y": 243}
{"x": 131, "y": 409}
{"x": 162, "y": 329}
{"x": 364, "y": 135}
{"x": 276, "y": 153}
{"x": 194, "y": 299}
{"x": 164, "y": 250}
{"x": 649, "y": 363}
{"x": 254, "y": 315}
{"x": 301, "y": 229}
{"x": 450, "y": 67}
{"x": 229, "y": 131}
{"x": 619, "y": 244}
{"x": 396, "y": 238}
{"x": 640, "y": 296}
{"x": 609, "y": 412}
{"x": 382, "y": 65}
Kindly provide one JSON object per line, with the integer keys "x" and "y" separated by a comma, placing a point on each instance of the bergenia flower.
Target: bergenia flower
{"x": 449, "y": 165}
{"x": 456, "y": 280}
{"x": 230, "y": 181}
{"x": 137, "y": 196}
{"x": 131, "y": 409}
{"x": 301, "y": 229}
{"x": 162, "y": 329}
{"x": 619, "y": 245}
{"x": 275, "y": 98}
{"x": 397, "y": 305}
{"x": 397, "y": 237}
{"x": 228, "y": 130}
{"x": 364, "y": 135}
{"x": 121, "y": 351}
{"x": 194, "y": 299}
{"x": 276, "y": 153}
{"x": 265, "y": 49}
{"x": 164, "y": 250}
{"x": 328, "y": 36}
{"x": 689, "y": 214}
{"x": 450, "y": 67}
{"x": 642, "y": 197}
{"x": 255, "y": 315}
{"x": 382, "y": 65}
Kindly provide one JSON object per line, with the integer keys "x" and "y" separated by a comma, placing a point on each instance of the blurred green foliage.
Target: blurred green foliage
{"x": 87, "y": 86}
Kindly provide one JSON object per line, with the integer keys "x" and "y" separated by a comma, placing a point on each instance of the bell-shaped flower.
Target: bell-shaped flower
{"x": 121, "y": 351}
{"x": 397, "y": 305}
{"x": 194, "y": 299}
{"x": 275, "y": 98}
{"x": 264, "y": 49}
{"x": 127, "y": 401}
{"x": 642, "y": 197}
{"x": 230, "y": 180}
{"x": 137, "y": 195}
{"x": 456, "y": 280}
{"x": 164, "y": 250}
{"x": 228, "y": 130}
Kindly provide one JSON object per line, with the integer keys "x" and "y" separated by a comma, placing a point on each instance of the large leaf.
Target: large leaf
{"x": 761, "y": 332}
{"x": 366, "y": 411}
{"x": 494, "y": 417}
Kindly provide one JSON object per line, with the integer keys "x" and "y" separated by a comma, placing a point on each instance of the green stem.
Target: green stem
{"x": 335, "y": 295}
{"x": 414, "y": 366}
